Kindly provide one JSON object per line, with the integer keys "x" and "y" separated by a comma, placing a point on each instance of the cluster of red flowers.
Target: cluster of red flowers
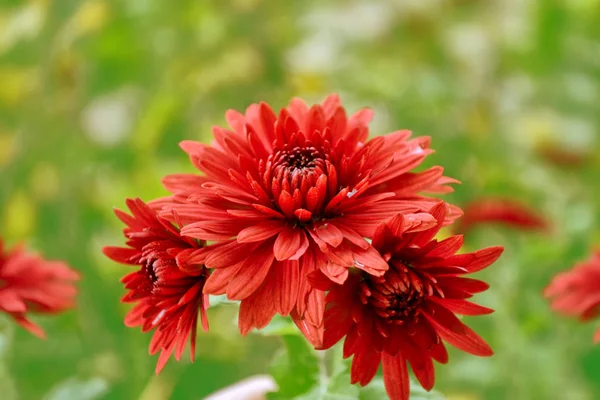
{"x": 300, "y": 213}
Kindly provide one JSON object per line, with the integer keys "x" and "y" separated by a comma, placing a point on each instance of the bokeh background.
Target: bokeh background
{"x": 95, "y": 96}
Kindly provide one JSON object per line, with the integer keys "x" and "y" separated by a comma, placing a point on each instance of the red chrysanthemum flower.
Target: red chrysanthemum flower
{"x": 577, "y": 292}
{"x": 297, "y": 191}
{"x": 404, "y": 315}
{"x": 167, "y": 287}
{"x": 498, "y": 210}
{"x": 29, "y": 283}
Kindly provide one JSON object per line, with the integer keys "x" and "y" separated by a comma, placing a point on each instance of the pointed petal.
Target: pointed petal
{"x": 288, "y": 242}
{"x": 455, "y": 332}
{"x": 262, "y": 231}
{"x": 251, "y": 274}
{"x": 395, "y": 376}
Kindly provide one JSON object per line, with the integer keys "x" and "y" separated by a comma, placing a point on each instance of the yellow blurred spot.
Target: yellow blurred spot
{"x": 17, "y": 83}
{"x": 240, "y": 64}
{"x": 307, "y": 83}
{"x": 19, "y": 216}
{"x": 44, "y": 181}
{"x": 584, "y": 6}
{"x": 91, "y": 16}
{"x": 536, "y": 127}
{"x": 478, "y": 122}
{"x": 245, "y": 5}
{"x": 7, "y": 148}
{"x": 444, "y": 233}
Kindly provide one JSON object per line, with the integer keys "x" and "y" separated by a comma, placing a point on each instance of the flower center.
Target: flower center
{"x": 148, "y": 269}
{"x": 299, "y": 180}
{"x": 298, "y": 159}
{"x": 397, "y": 296}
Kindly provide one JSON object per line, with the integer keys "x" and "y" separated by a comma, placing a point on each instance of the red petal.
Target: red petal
{"x": 452, "y": 284}
{"x": 256, "y": 311}
{"x": 422, "y": 366}
{"x": 122, "y": 255}
{"x": 462, "y": 307}
{"x": 447, "y": 247}
{"x": 476, "y": 261}
{"x": 11, "y": 302}
{"x": 456, "y": 333}
{"x": 365, "y": 363}
{"x": 329, "y": 233}
{"x": 318, "y": 280}
{"x": 395, "y": 376}
{"x": 313, "y": 334}
{"x": 226, "y": 254}
{"x": 315, "y": 307}
{"x": 370, "y": 261}
{"x": 251, "y": 274}
{"x": 439, "y": 353}
{"x": 30, "y": 326}
{"x": 259, "y": 232}
{"x": 352, "y": 236}
{"x": 304, "y": 245}
{"x": 286, "y": 204}
{"x": 287, "y": 282}
{"x": 288, "y": 242}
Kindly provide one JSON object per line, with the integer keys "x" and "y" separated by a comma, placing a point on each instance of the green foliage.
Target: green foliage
{"x": 295, "y": 368}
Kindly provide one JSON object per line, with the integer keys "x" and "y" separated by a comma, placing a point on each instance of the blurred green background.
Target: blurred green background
{"x": 95, "y": 96}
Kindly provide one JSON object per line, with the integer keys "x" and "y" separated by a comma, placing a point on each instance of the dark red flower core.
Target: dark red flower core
{"x": 300, "y": 171}
{"x": 397, "y": 296}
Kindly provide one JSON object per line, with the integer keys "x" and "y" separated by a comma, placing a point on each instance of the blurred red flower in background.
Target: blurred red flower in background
{"x": 29, "y": 283}
{"x": 577, "y": 292}
{"x": 404, "y": 315}
{"x": 288, "y": 194}
{"x": 497, "y": 210}
{"x": 168, "y": 284}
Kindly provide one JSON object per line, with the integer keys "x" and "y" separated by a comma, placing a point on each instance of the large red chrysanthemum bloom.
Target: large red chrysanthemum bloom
{"x": 297, "y": 191}
{"x": 29, "y": 283}
{"x": 406, "y": 314}
{"x": 168, "y": 285}
{"x": 577, "y": 292}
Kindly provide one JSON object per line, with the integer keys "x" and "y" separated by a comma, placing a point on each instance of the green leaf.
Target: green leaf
{"x": 295, "y": 368}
